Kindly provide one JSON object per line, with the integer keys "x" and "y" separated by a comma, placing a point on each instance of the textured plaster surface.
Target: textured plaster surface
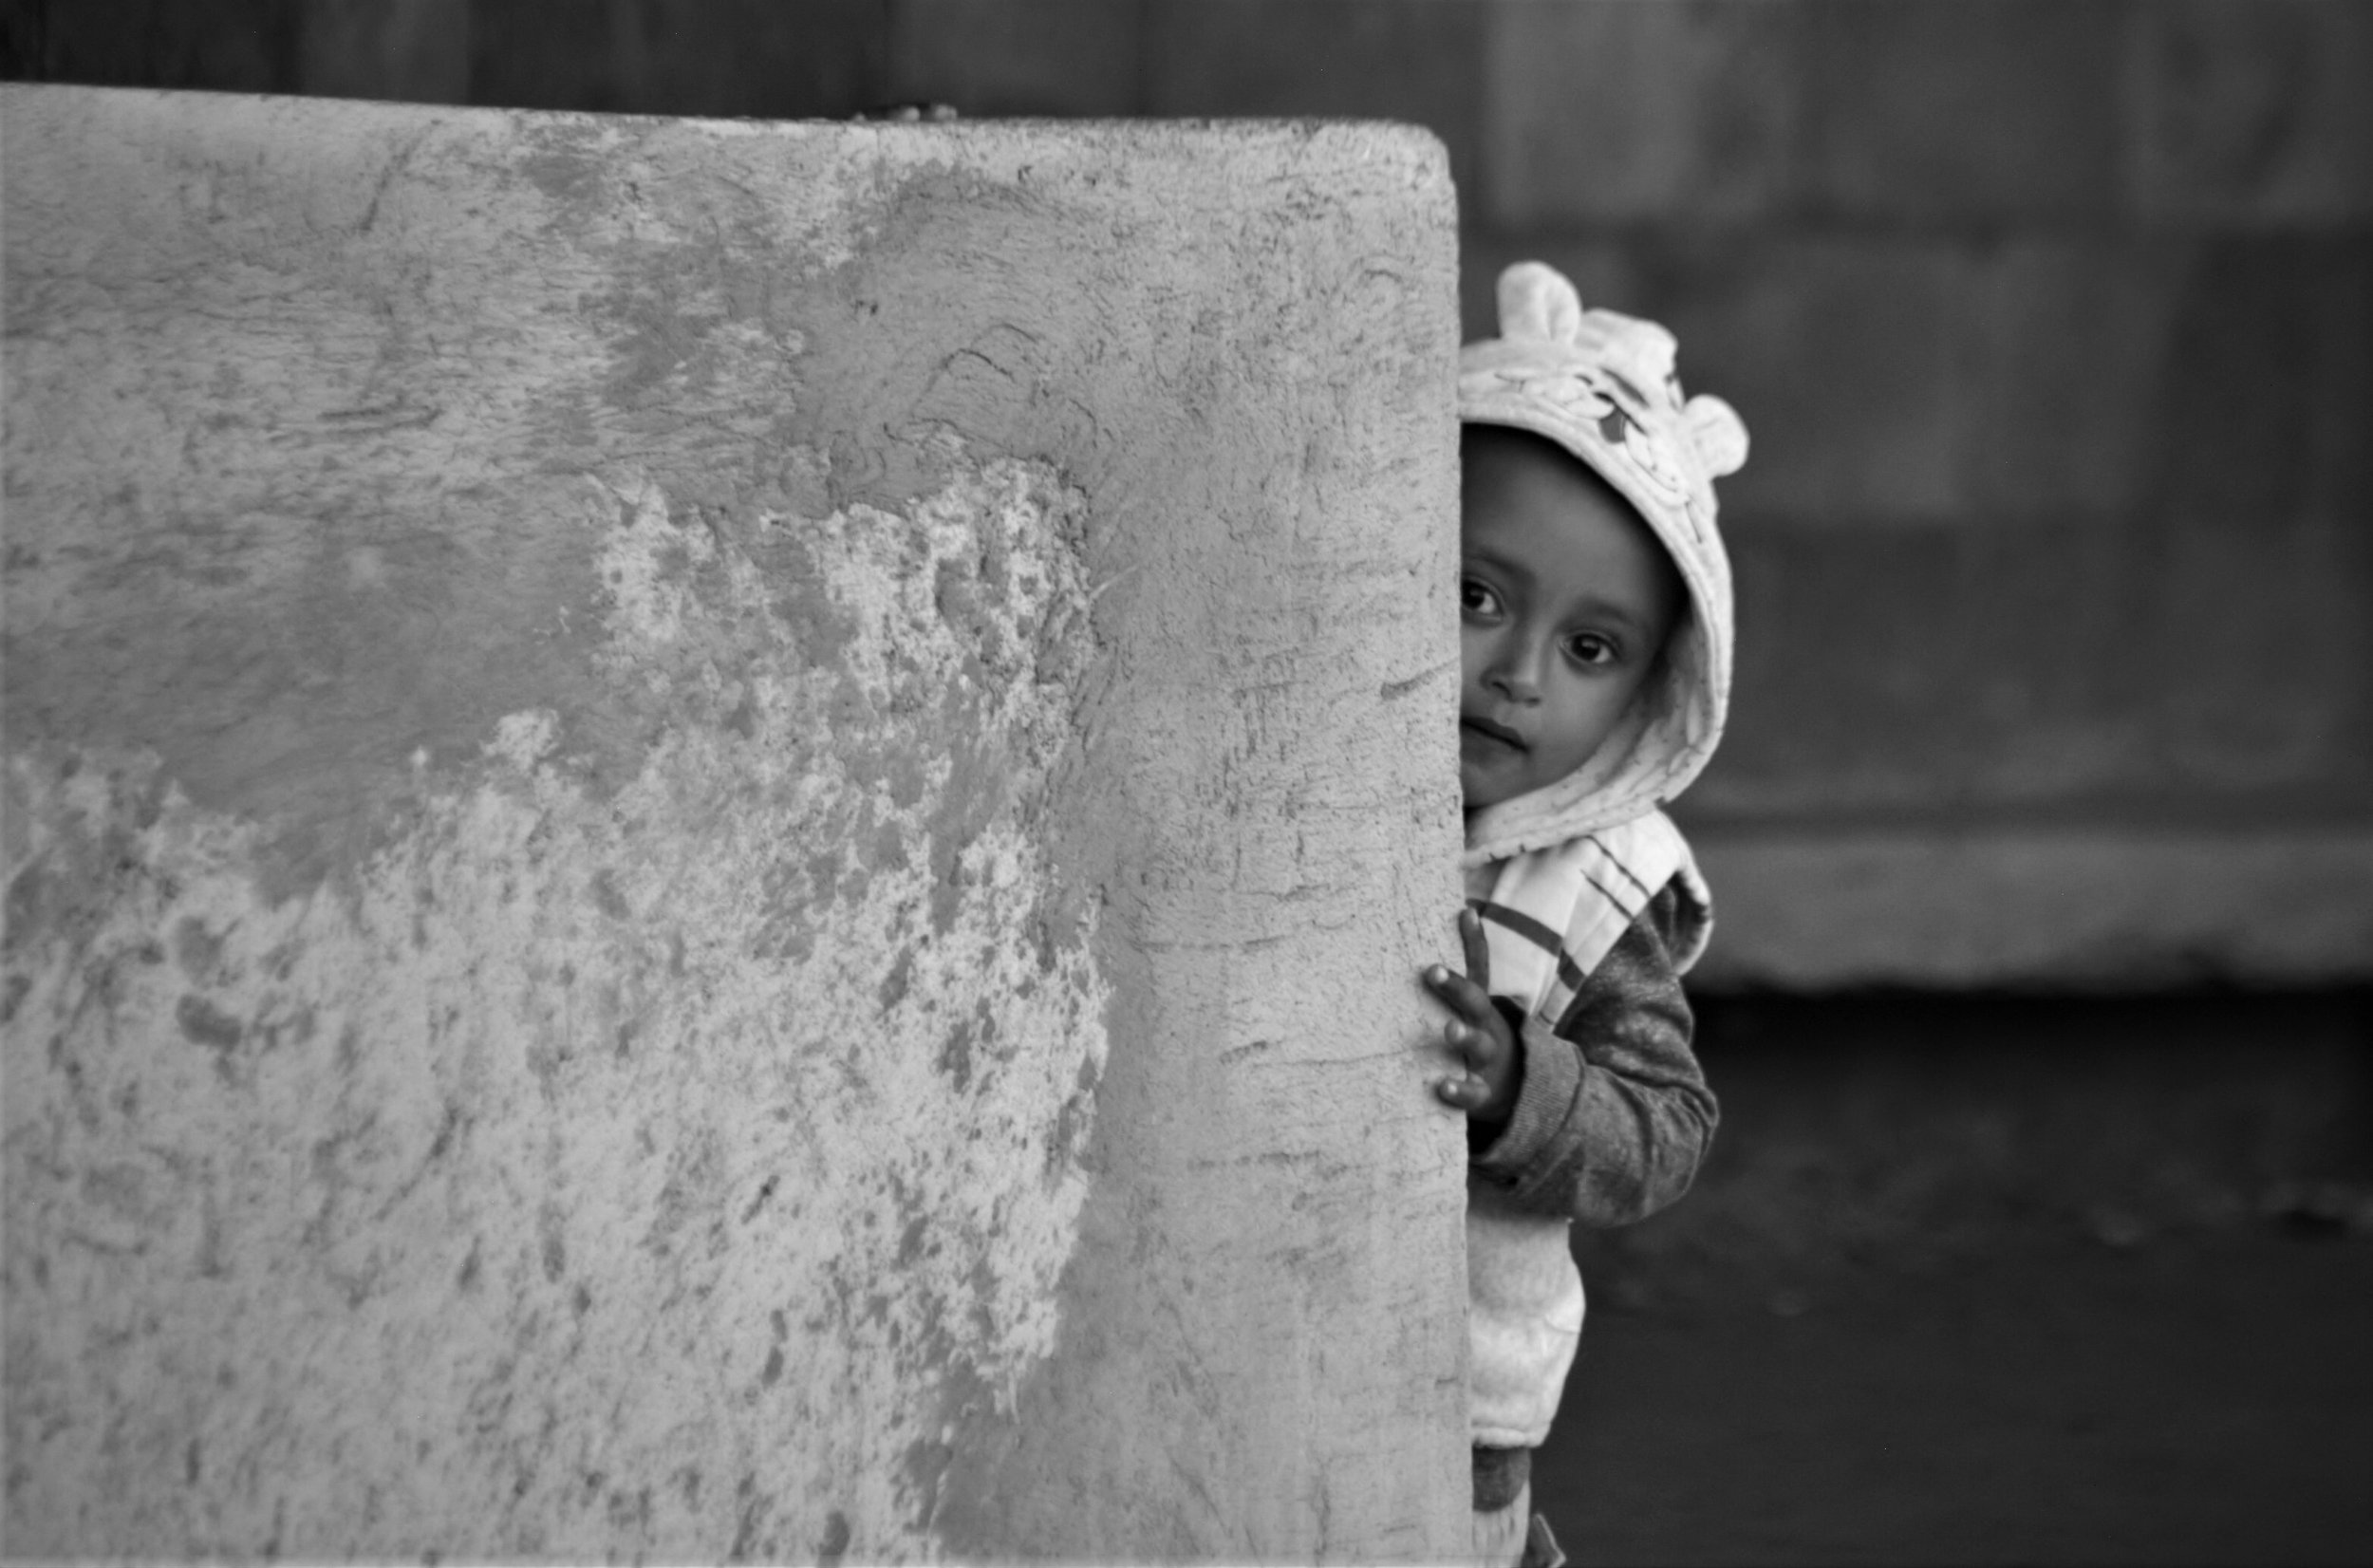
{"x": 716, "y": 835}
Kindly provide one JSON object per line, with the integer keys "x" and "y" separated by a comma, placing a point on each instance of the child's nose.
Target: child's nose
{"x": 1516, "y": 672}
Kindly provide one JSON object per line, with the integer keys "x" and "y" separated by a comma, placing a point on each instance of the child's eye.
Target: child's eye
{"x": 1476, "y": 599}
{"x": 1590, "y": 648}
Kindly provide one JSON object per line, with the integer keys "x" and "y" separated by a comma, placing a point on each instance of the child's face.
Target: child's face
{"x": 1565, "y": 600}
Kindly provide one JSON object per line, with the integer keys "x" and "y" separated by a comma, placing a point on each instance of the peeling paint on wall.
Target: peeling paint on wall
{"x": 716, "y": 837}
{"x": 492, "y": 1107}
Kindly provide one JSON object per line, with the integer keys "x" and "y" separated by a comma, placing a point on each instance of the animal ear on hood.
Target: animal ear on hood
{"x": 1538, "y": 301}
{"x": 1717, "y": 432}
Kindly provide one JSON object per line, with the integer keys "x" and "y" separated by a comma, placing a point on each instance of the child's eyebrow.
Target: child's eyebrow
{"x": 1591, "y": 606}
{"x": 1501, "y": 563}
{"x": 1607, "y": 609}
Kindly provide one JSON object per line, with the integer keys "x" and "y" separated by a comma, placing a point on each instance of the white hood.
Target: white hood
{"x": 1602, "y": 385}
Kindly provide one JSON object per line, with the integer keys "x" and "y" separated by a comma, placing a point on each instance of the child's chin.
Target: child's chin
{"x": 1479, "y": 788}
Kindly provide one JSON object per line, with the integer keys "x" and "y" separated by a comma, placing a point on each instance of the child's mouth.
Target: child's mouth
{"x": 1491, "y": 734}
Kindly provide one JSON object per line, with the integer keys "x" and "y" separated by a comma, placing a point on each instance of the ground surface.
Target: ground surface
{"x": 1994, "y": 1279}
{"x": 2196, "y": 1399}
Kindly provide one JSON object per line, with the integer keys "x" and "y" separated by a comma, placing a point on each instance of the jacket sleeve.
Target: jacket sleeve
{"x": 1612, "y": 1114}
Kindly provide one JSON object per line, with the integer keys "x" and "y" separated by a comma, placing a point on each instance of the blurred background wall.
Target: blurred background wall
{"x": 2053, "y": 324}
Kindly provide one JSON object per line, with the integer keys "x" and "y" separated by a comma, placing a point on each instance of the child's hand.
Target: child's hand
{"x": 1477, "y": 1034}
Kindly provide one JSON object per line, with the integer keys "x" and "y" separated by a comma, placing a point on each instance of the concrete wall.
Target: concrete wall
{"x": 2054, "y": 328}
{"x": 2050, "y": 322}
{"x": 716, "y": 838}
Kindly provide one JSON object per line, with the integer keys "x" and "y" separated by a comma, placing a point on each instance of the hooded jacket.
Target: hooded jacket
{"x": 1586, "y": 875}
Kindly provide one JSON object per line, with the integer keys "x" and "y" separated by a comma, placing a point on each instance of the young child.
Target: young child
{"x": 1595, "y": 601}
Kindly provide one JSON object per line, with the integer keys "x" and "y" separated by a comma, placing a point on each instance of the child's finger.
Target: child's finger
{"x": 1478, "y": 1048}
{"x": 1461, "y": 995}
{"x": 1471, "y": 936}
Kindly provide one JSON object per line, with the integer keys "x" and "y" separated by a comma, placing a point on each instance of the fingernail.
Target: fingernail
{"x": 1438, "y": 974}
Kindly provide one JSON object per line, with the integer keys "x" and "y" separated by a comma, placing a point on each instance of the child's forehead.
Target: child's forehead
{"x": 1501, "y": 465}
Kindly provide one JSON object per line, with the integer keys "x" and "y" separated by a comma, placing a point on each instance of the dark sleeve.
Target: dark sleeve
{"x": 1612, "y": 1113}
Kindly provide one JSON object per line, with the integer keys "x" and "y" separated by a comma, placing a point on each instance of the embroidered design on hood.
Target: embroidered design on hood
{"x": 1602, "y": 386}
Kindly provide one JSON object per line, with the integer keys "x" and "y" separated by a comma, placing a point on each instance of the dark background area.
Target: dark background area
{"x": 2039, "y": 1228}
